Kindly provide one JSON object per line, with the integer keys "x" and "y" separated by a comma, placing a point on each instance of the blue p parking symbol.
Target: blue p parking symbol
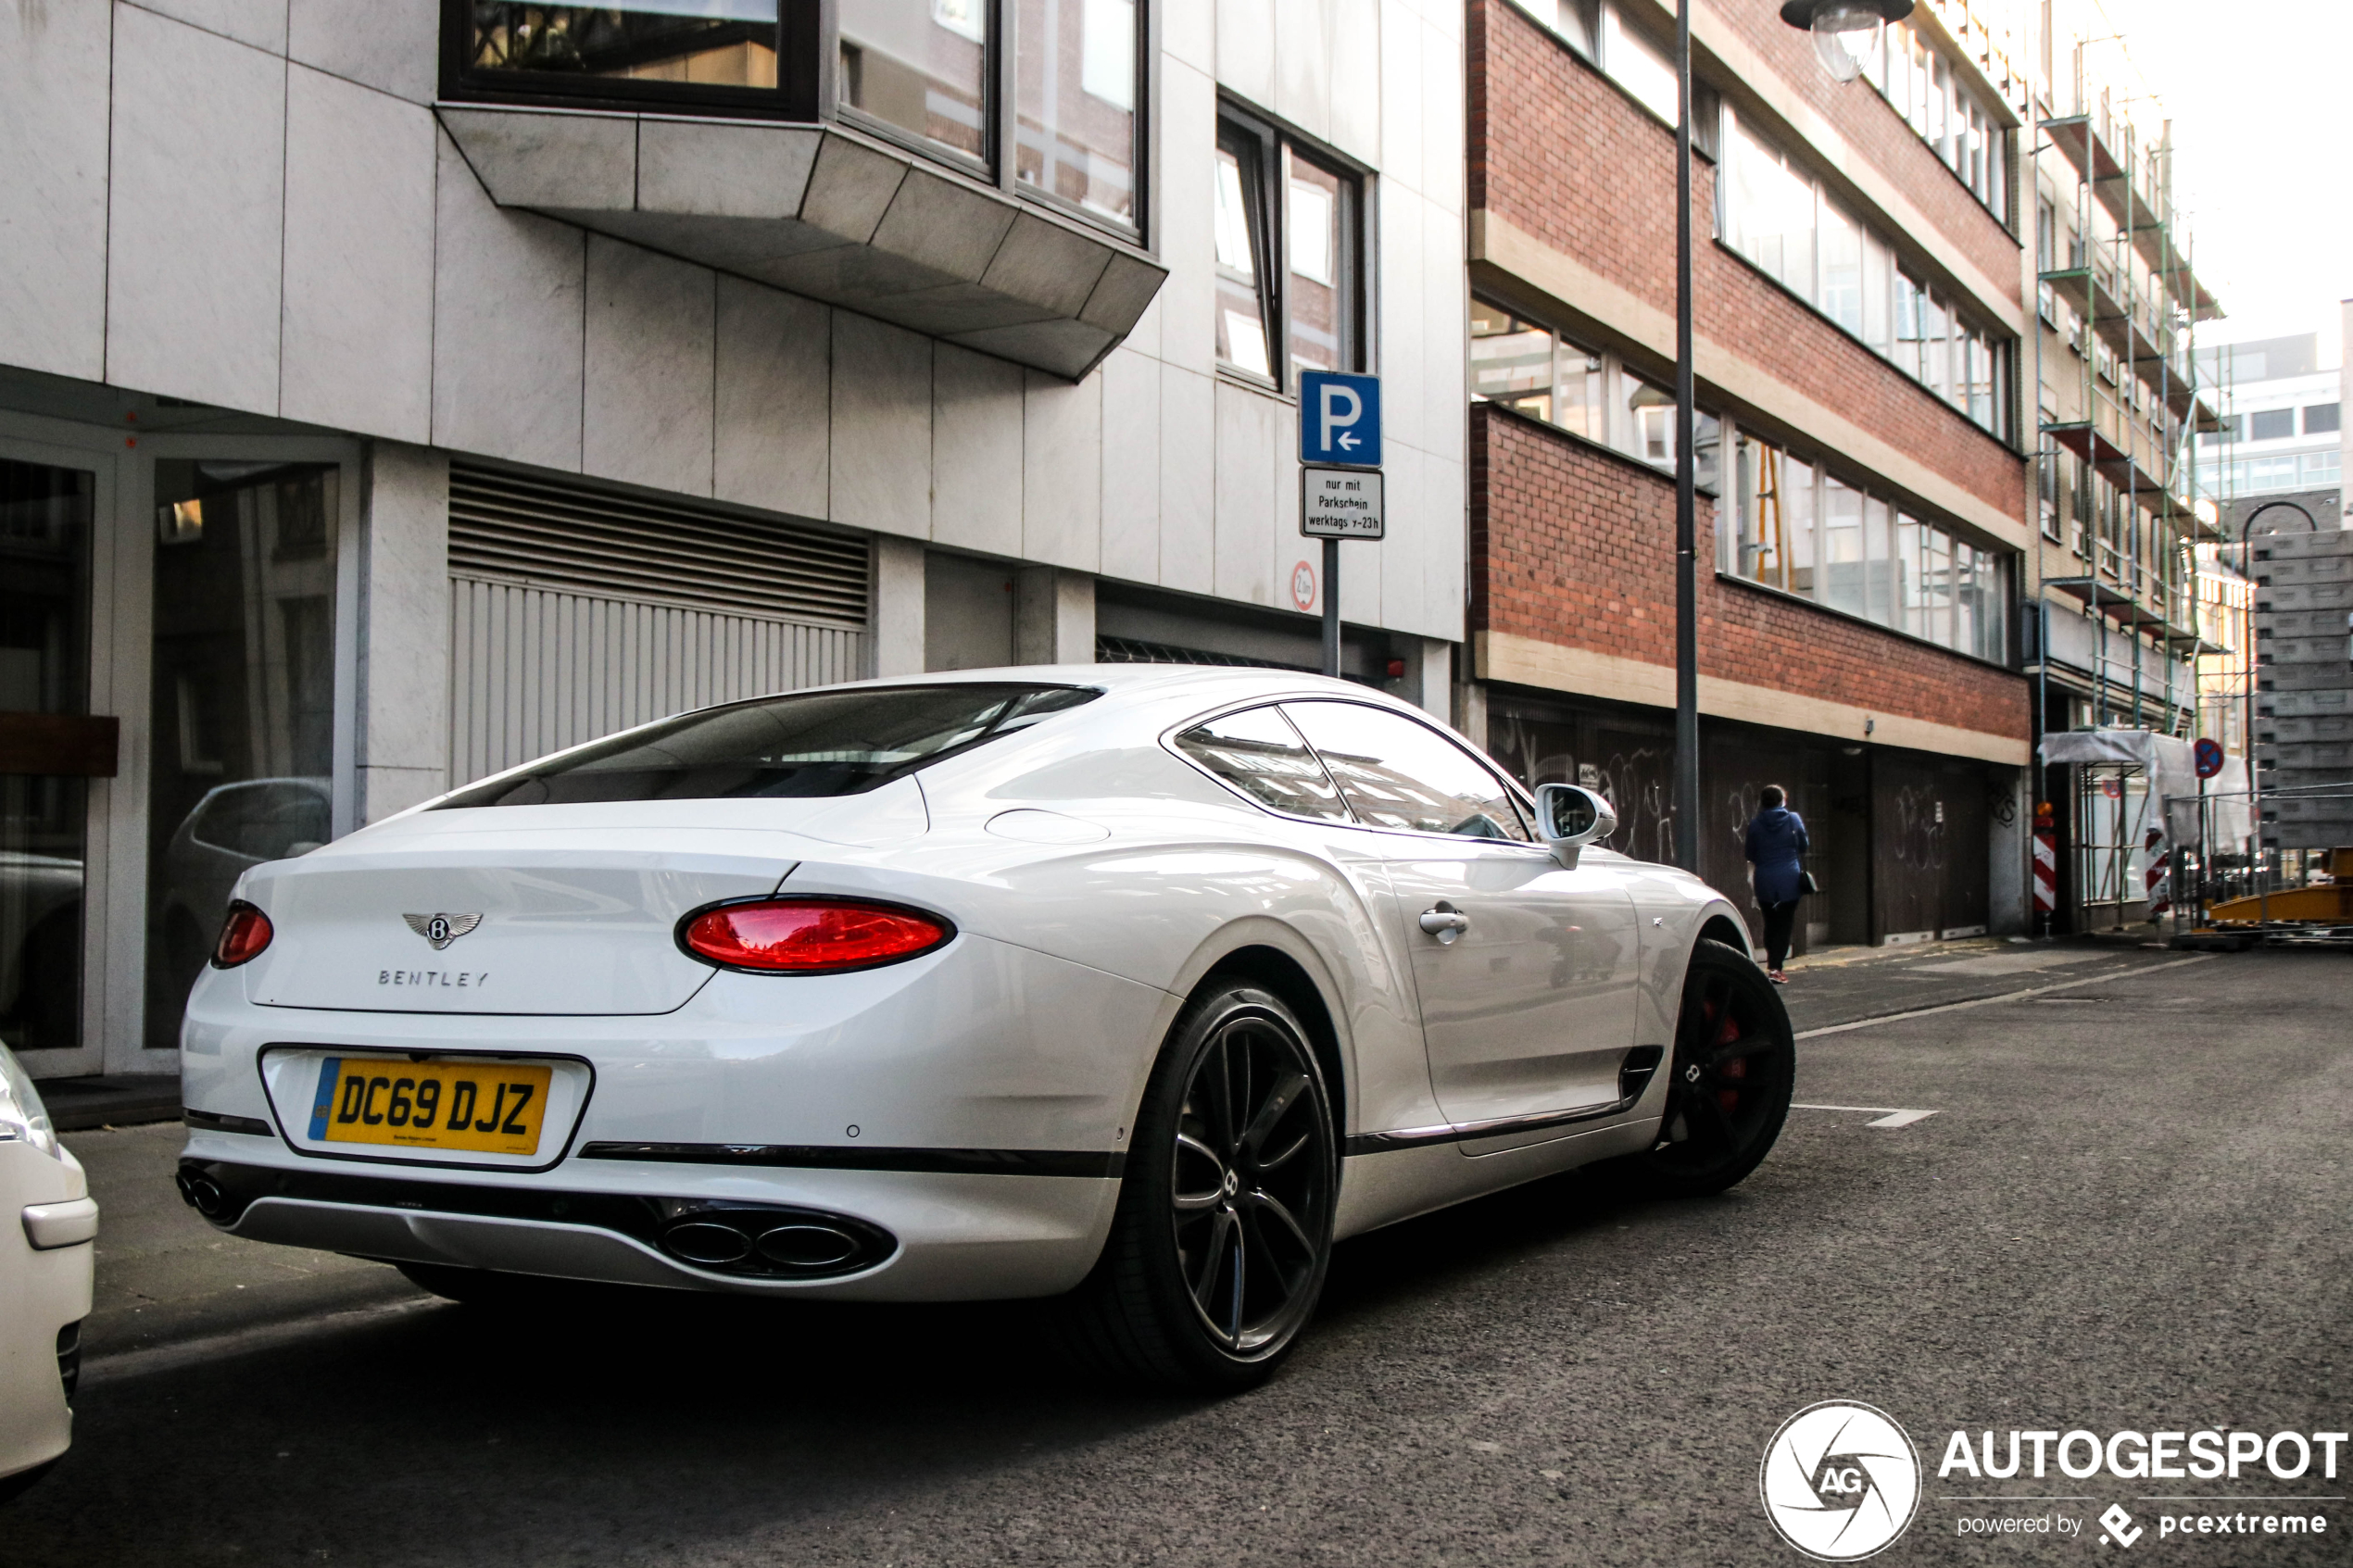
{"x": 1339, "y": 420}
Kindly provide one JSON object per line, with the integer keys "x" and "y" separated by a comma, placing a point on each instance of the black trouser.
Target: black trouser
{"x": 1778, "y": 921}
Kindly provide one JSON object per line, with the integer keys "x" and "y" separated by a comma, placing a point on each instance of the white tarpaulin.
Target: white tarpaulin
{"x": 2172, "y": 768}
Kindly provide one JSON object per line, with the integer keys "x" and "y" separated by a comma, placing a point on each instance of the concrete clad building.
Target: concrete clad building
{"x": 1859, "y": 301}
{"x": 391, "y": 393}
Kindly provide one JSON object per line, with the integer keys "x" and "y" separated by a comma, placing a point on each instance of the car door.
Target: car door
{"x": 1527, "y": 970}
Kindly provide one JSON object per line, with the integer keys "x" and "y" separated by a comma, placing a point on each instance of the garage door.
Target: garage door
{"x": 575, "y": 613}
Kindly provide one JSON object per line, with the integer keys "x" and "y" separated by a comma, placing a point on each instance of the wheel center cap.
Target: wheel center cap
{"x": 1233, "y": 1184}
{"x": 1691, "y": 1073}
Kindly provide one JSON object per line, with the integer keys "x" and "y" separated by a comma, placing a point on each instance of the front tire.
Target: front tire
{"x": 1223, "y": 1236}
{"x": 1734, "y": 1068}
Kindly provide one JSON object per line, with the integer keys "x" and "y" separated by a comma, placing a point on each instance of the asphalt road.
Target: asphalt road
{"x": 2126, "y": 1212}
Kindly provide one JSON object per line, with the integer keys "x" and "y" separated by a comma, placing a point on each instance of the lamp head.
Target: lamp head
{"x": 1846, "y": 32}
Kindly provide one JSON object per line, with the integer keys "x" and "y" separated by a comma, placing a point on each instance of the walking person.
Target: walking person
{"x": 1777, "y": 846}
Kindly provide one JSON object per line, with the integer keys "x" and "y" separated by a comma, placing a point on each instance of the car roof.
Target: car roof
{"x": 1213, "y": 683}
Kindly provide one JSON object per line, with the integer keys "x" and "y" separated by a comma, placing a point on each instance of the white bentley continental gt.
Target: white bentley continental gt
{"x": 1140, "y": 986}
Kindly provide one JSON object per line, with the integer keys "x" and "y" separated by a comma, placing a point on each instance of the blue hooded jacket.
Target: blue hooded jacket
{"x": 1776, "y": 841}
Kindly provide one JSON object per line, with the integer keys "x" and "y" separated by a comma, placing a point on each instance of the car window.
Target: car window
{"x": 1396, "y": 773}
{"x": 809, "y": 744}
{"x": 1260, "y": 754}
{"x": 264, "y": 821}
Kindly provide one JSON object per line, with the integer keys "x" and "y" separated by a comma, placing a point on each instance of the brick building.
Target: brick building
{"x": 1859, "y": 303}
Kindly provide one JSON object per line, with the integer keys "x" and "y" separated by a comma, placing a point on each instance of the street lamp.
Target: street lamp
{"x": 2254, "y": 773}
{"x": 1845, "y": 33}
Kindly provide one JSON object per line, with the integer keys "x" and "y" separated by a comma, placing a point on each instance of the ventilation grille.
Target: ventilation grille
{"x": 509, "y": 529}
{"x": 1132, "y": 650}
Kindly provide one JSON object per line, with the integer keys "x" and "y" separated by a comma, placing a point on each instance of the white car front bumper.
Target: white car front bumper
{"x": 45, "y": 1293}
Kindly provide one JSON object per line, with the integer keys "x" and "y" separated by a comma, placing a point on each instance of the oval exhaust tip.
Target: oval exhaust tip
{"x": 807, "y": 1246}
{"x": 701, "y": 1241}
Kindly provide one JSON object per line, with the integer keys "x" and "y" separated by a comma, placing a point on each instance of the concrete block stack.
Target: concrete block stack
{"x": 2304, "y": 687}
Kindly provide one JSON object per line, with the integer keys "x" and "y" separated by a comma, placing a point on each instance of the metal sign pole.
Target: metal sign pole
{"x": 1341, "y": 490}
{"x": 1331, "y": 607}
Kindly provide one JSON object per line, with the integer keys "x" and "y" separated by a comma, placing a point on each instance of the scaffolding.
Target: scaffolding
{"x": 2123, "y": 273}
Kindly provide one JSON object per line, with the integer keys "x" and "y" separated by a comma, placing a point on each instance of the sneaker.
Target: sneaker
{"x": 1776, "y": 977}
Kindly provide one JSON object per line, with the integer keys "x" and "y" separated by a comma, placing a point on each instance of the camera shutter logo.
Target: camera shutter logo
{"x": 1840, "y": 1481}
{"x": 441, "y": 930}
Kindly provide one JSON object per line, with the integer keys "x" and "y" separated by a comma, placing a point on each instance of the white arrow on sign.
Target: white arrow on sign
{"x": 1345, "y": 440}
{"x": 1334, "y": 419}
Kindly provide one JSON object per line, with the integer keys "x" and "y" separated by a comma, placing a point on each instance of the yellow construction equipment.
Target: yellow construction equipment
{"x": 2327, "y": 903}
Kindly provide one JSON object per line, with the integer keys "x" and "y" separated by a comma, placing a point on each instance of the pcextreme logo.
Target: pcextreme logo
{"x": 1840, "y": 1481}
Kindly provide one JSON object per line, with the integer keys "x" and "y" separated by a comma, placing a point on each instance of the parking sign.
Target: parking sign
{"x": 1339, "y": 420}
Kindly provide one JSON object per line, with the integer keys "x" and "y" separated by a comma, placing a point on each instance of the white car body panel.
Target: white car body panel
{"x": 972, "y": 1102}
{"x": 45, "y": 1285}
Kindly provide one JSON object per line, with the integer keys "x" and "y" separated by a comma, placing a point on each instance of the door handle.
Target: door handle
{"x": 1445, "y": 921}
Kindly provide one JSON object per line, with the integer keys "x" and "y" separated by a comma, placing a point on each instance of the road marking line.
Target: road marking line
{"x": 175, "y": 1354}
{"x": 1888, "y": 1116}
{"x": 2004, "y": 997}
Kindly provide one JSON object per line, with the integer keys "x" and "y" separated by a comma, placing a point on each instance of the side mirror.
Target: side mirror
{"x": 1570, "y": 817}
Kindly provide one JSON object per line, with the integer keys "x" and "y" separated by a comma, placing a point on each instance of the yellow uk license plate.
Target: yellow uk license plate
{"x": 481, "y": 1107}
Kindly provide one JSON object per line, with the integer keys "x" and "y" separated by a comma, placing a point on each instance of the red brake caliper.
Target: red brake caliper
{"x": 1736, "y": 1067}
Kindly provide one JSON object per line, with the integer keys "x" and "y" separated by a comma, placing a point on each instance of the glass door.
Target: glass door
{"x": 50, "y": 749}
{"x": 241, "y": 699}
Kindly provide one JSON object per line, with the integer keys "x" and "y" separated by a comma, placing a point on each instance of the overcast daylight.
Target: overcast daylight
{"x": 1174, "y": 783}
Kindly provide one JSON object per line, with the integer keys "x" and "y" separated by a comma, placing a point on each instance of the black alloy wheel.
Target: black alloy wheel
{"x": 1223, "y": 1232}
{"x": 1735, "y": 1065}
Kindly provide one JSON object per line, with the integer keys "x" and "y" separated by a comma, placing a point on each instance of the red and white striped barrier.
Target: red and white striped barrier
{"x": 2158, "y": 877}
{"x": 2046, "y": 862}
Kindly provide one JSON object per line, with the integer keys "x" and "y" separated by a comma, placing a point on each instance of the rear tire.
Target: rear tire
{"x": 1728, "y": 1086}
{"x": 1223, "y": 1236}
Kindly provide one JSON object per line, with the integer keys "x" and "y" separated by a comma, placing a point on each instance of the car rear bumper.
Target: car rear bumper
{"x": 873, "y": 1235}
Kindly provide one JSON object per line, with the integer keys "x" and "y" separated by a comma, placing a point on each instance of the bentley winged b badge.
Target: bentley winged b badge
{"x": 441, "y": 930}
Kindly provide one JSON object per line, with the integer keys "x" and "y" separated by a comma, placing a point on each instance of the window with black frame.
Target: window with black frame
{"x": 1289, "y": 232}
{"x": 748, "y": 56}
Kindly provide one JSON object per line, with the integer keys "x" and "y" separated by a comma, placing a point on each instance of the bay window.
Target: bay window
{"x": 919, "y": 67}
{"x": 931, "y": 75}
{"x": 1075, "y": 114}
{"x": 751, "y": 56}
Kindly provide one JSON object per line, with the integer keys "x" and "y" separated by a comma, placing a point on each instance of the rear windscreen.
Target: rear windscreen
{"x": 819, "y": 744}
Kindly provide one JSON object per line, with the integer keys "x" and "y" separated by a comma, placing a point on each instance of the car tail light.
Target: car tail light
{"x": 243, "y": 937}
{"x": 810, "y": 935}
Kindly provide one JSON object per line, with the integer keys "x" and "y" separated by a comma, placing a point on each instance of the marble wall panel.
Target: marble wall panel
{"x": 774, "y": 443}
{"x": 392, "y": 45}
{"x": 194, "y": 214}
{"x": 1355, "y": 77}
{"x": 53, "y": 189}
{"x": 1187, "y": 301}
{"x": 508, "y": 294}
{"x": 1061, "y": 472}
{"x": 1187, "y": 479}
{"x": 646, "y": 388}
{"x": 357, "y": 318}
{"x": 977, "y": 405}
{"x": 1246, "y": 48}
{"x": 1248, "y": 443}
{"x": 1131, "y": 466}
{"x": 261, "y": 24}
{"x": 881, "y": 427}
{"x": 1303, "y": 47}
